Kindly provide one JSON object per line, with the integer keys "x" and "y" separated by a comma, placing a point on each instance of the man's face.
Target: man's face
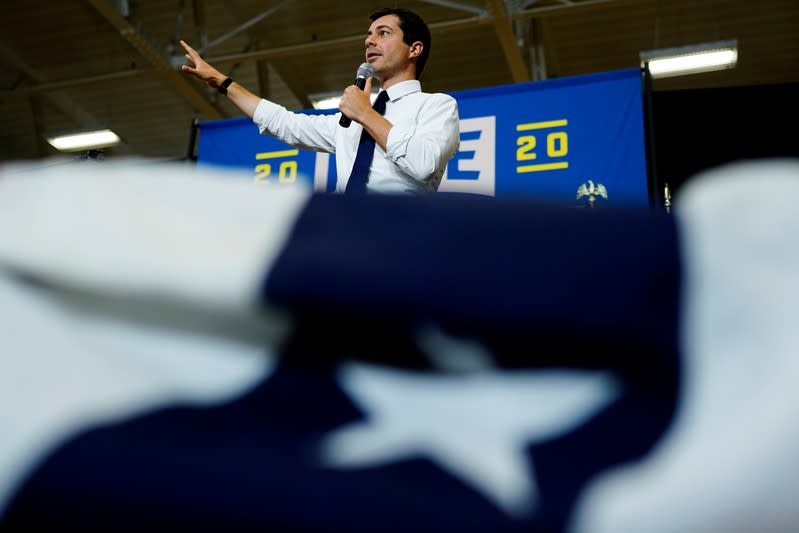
{"x": 385, "y": 50}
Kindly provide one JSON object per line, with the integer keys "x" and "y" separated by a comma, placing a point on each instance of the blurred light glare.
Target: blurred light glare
{"x": 84, "y": 141}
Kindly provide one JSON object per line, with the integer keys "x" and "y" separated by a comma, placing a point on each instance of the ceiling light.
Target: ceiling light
{"x": 84, "y": 141}
{"x": 326, "y": 102}
{"x": 330, "y": 100}
{"x": 719, "y": 55}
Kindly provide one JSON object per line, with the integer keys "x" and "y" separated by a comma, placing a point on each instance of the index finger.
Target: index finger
{"x": 188, "y": 48}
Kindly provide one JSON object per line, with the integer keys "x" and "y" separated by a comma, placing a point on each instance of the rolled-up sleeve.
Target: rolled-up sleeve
{"x": 422, "y": 147}
{"x": 313, "y": 132}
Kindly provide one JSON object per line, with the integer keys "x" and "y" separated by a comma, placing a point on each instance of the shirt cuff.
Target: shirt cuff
{"x": 397, "y": 142}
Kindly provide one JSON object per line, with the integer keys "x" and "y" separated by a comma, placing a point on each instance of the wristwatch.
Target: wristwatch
{"x": 225, "y": 84}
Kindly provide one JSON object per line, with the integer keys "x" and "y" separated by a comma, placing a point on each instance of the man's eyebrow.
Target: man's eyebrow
{"x": 381, "y": 27}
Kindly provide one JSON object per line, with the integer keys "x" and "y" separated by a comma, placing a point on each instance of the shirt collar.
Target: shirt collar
{"x": 398, "y": 90}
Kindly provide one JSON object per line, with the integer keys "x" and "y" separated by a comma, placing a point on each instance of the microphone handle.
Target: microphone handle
{"x": 345, "y": 121}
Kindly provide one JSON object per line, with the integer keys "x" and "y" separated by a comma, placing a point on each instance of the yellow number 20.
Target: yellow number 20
{"x": 262, "y": 172}
{"x": 526, "y": 145}
{"x": 286, "y": 173}
{"x": 557, "y": 144}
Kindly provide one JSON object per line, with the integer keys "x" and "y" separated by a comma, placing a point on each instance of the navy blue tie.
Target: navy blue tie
{"x": 366, "y": 151}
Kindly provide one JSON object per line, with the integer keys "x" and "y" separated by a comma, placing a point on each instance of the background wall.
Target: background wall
{"x": 702, "y": 128}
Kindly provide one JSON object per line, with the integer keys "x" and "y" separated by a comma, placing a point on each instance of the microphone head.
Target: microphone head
{"x": 365, "y": 71}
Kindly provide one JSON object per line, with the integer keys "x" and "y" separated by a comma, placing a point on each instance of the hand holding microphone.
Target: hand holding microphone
{"x": 365, "y": 72}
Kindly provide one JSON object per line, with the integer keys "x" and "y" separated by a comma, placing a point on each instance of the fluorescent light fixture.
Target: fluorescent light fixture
{"x": 84, "y": 141}
{"x": 326, "y": 102}
{"x": 706, "y": 57}
{"x": 330, "y": 100}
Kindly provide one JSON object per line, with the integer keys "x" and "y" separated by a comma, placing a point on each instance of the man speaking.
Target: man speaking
{"x": 399, "y": 145}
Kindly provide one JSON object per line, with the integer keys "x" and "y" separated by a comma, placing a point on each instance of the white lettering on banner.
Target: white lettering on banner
{"x": 483, "y": 160}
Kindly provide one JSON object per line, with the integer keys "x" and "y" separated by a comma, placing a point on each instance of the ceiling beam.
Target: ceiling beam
{"x": 281, "y": 51}
{"x": 82, "y": 118}
{"x": 507, "y": 40}
{"x": 52, "y": 86}
{"x": 290, "y": 76}
{"x": 437, "y": 27}
{"x": 547, "y": 48}
{"x": 458, "y": 5}
{"x": 245, "y": 26}
{"x": 294, "y": 81}
{"x": 530, "y": 33}
{"x": 264, "y": 79}
{"x": 61, "y": 101}
{"x": 318, "y": 46}
{"x": 178, "y": 80}
{"x": 559, "y": 9}
{"x": 198, "y": 18}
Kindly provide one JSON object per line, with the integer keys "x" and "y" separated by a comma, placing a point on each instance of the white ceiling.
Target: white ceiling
{"x": 81, "y": 64}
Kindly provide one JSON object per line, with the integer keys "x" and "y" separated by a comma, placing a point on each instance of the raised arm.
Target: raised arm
{"x": 241, "y": 97}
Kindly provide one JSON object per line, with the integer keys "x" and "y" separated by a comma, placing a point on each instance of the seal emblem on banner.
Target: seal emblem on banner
{"x": 592, "y": 191}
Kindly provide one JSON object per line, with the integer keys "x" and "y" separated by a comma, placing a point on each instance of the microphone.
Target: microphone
{"x": 364, "y": 72}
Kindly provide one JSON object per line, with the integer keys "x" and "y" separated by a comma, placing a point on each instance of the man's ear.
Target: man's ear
{"x": 416, "y": 49}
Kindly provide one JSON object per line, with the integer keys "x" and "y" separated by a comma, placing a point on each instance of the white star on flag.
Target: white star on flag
{"x": 477, "y": 427}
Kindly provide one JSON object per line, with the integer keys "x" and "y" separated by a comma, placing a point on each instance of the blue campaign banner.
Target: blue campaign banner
{"x": 542, "y": 139}
{"x": 236, "y": 142}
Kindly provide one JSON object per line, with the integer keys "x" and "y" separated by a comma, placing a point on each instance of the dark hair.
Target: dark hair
{"x": 413, "y": 29}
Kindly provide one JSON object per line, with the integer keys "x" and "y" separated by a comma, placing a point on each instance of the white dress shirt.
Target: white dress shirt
{"x": 424, "y": 136}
